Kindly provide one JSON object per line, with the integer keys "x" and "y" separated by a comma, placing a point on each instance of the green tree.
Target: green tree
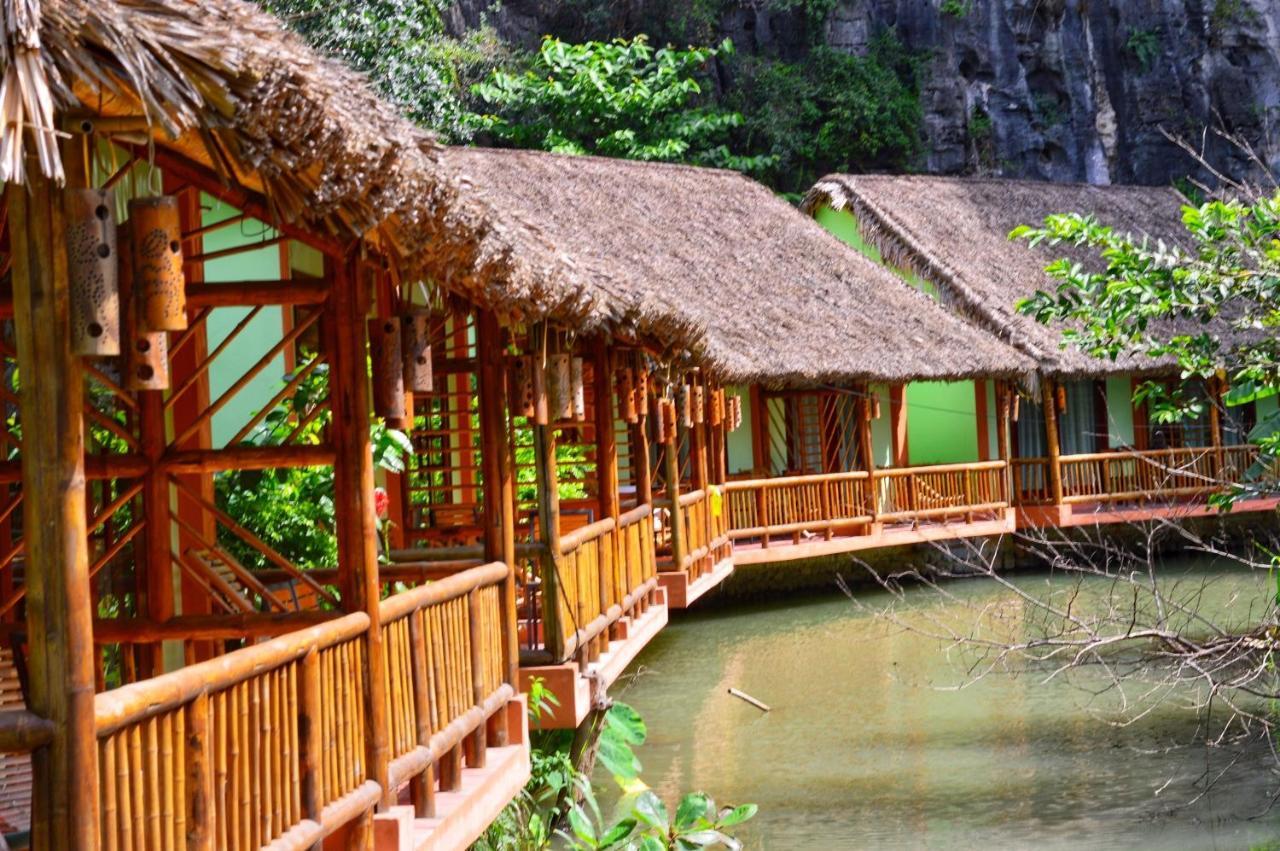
{"x": 832, "y": 112}
{"x": 1159, "y": 300}
{"x": 403, "y": 48}
{"x": 615, "y": 99}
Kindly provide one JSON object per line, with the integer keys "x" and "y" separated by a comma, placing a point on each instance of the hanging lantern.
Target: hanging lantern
{"x": 625, "y": 381}
{"x": 735, "y": 413}
{"x": 1060, "y": 396}
{"x": 388, "y": 371}
{"x": 682, "y": 403}
{"x": 146, "y": 353}
{"x": 667, "y": 422}
{"x": 416, "y": 348}
{"x": 560, "y": 386}
{"x": 875, "y": 407}
{"x": 1016, "y": 399}
{"x": 717, "y": 408}
{"x": 577, "y": 390}
{"x": 520, "y": 387}
{"x": 157, "y": 263}
{"x": 93, "y": 269}
{"x": 640, "y": 391}
{"x": 699, "y": 404}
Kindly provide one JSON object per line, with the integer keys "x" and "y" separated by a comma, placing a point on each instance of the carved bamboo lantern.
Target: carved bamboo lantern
{"x": 682, "y": 404}
{"x": 416, "y": 348}
{"x": 146, "y": 353}
{"x": 699, "y": 404}
{"x": 93, "y": 269}
{"x": 157, "y": 262}
{"x": 641, "y": 392}
{"x": 1060, "y": 398}
{"x": 1016, "y": 403}
{"x": 735, "y": 412}
{"x": 541, "y": 410}
{"x": 520, "y": 387}
{"x": 716, "y": 414}
{"x": 625, "y": 378}
{"x": 388, "y": 371}
{"x": 560, "y": 386}
{"x": 664, "y": 425}
{"x": 577, "y": 390}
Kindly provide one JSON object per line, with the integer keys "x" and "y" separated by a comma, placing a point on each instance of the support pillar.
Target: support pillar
{"x": 759, "y": 430}
{"x": 353, "y": 495}
{"x": 899, "y": 455}
{"x": 607, "y": 468}
{"x": 671, "y": 472}
{"x": 547, "y": 481}
{"x": 59, "y": 602}
{"x": 1049, "y": 396}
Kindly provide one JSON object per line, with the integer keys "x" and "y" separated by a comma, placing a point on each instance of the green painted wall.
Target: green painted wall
{"x": 1120, "y": 411}
{"x": 738, "y": 444}
{"x": 844, "y": 225}
{"x": 262, "y": 332}
{"x": 942, "y": 422}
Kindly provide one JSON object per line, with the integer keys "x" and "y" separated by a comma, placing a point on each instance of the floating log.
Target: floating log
{"x": 576, "y": 389}
{"x": 742, "y": 695}
{"x": 520, "y": 387}
{"x": 416, "y": 327}
{"x": 146, "y": 353}
{"x": 93, "y": 268}
{"x": 157, "y": 263}
{"x": 560, "y": 386}
{"x": 388, "y": 370}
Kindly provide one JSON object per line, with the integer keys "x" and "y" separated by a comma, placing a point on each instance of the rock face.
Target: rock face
{"x": 1064, "y": 90}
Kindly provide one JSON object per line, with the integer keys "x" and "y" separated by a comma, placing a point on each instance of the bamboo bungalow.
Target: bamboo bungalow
{"x": 824, "y": 332}
{"x": 1083, "y": 451}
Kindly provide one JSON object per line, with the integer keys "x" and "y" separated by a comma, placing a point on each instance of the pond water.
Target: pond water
{"x": 866, "y": 745}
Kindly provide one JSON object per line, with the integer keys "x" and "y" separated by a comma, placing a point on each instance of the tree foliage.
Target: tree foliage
{"x": 832, "y": 112}
{"x": 1160, "y": 300}
{"x": 403, "y": 48}
{"x": 622, "y": 98}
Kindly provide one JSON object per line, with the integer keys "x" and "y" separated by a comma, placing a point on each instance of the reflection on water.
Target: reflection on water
{"x": 866, "y": 748}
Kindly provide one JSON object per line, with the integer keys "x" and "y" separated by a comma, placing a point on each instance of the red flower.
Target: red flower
{"x": 381, "y": 503}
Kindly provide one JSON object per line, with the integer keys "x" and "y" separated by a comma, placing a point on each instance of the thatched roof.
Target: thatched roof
{"x": 955, "y": 233}
{"x": 682, "y": 253}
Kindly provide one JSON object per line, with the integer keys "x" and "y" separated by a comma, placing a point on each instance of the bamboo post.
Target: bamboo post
{"x": 863, "y": 412}
{"x": 1050, "y": 402}
{"x": 671, "y": 471}
{"x": 310, "y": 711}
{"x": 479, "y": 739}
{"x": 499, "y": 497}
{"x": 607, "y": 471}
{"x": 59, "y": 601}
{"x": 1215, "y": 427}
{"x": 759, "y": 430}
{"x": 1004, "y": 410}
{"x": 199, "y": 773}
{"x": 422, "y": 787}
{"x": 547, "y": 483}
{"x": 353, "y": 493}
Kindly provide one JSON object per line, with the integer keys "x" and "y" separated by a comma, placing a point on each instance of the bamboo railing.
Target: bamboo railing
{"x": 444, "y": 674}
{"x": 1135, "y": 476}
{"x": 605, "y": 570}
{"x": 762, "y": 508}
{"x": 267, "y": 745}
{"x": 832, "y": 503}
{"x": 263, "y": 745}
{"x": 941, "y": 490}
{"x": 705, "y": 540}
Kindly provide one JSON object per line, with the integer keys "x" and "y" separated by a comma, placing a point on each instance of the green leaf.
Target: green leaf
{"x": 627, "y": 723}
{"x": 693, "y": 807}
{"x": 617, "y": 757}
{"x": 737, "y": 815}
{"x": 581, "y": 826}
{"x": 649, "y": 809}
{"x": 617, "y": 833}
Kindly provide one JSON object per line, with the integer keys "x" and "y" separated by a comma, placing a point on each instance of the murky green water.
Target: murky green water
{"x": 864, "y": 747}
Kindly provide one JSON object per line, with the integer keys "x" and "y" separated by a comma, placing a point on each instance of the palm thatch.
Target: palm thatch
{"x": 715, "y": 260}
{"x": 955, "y": 233}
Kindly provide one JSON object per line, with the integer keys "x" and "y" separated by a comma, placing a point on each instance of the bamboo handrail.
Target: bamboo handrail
{"x": 895, "y": 472}
{"x": 149, "y": 698}
{"x": 783, "y": 481}
{"x": 22, "y": 730}
{"x": 575, "y": 539}
{"x": 458, "y": 585}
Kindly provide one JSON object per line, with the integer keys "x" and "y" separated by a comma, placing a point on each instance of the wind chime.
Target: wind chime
{"x": 388, "y": 366}
{"x": 93, "y": 267}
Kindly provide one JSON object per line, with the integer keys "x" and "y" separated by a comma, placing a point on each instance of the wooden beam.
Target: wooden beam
{"x": 900, "y": 453}
{"x": 980, "y": 414}
{"x": 257, "y": 293}
{"x": 759, "y": 431}
{"x": 59, "y": 600}
{"x": 353, "y": 493}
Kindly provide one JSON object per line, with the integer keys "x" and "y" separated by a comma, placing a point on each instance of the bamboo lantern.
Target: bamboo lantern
{"x": 93, "y": 269}
{"x": 560, "y": 386}
{"x": 735, "y": 413}
{"x": 641, "y": 392}
{"x": 520, "y": 387}
{"x": 576, "y": 389}
{"x": 717, "y": 407}
{"x": 625, "y": 378}
{"x": 416, "y": 347}
{"x": 146, "y": 353}
{"x": 664, "y": 425}
{"x": 157, "y": 263}
{"x": 875, "y": 407}
{"x": 388, "y": 370}
{"x": 541, "y": 410}
{"x": 682, "y": 403}
{"x": 1016, "y": 399}
{"x": 699, "y": 404}
{"x": 1060, "y": 397}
